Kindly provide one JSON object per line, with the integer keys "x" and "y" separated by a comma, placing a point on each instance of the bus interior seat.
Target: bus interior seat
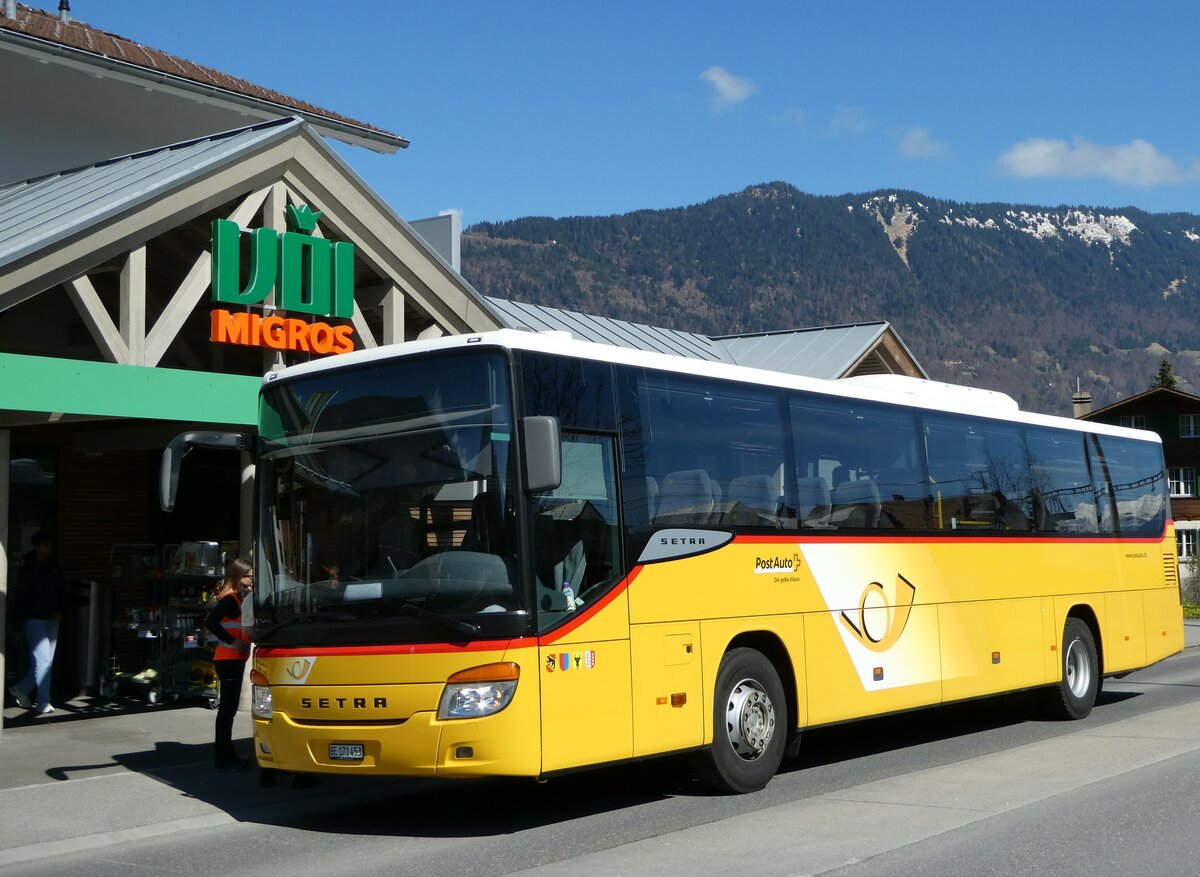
{"x": 687, "y": 495}
{"x": 561, "y": 559}
{"x": 1014, "y": 516}
{"x": 856, "y": 504}
{"x": 401, "y": 544}
{"x": 467, "y": 580}
{"x": 759, "y": 492}
{"x": 814, "y": 501}
{"x": 485, "y": 533}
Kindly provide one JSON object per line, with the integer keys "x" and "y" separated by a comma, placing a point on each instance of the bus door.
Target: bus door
{"x": 586, "y": 706}
{"x": 582, "y": 609}
{"x": 1132, "y": 497}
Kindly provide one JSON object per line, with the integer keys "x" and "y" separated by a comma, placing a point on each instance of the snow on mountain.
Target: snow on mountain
{"x": 901, "y": 221}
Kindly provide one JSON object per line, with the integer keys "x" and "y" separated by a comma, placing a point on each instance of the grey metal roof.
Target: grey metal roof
{"x": 604, "y": 330}
{"x": 823, "y": 352}
{"x": 39, "y": 213}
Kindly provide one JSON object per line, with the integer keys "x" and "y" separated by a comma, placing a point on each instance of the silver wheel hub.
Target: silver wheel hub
{"x": 749, "y": 719}
{"x": 1077, "y": 669}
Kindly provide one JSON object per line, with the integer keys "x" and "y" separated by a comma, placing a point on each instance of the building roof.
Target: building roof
{"x": 1161, "y": 395}
{"x": 59, "y": 227}
{"x": 820, "y": 352}
{"x": 605, "y": 330}
{"x": 82, "y": 43}
{"x": 828, "y": 352}
{"x": 37, "y": 214}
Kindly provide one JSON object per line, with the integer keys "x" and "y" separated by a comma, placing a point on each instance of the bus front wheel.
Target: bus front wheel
{"x": 750, "y": 724}
{"x": 1075, "y": 693}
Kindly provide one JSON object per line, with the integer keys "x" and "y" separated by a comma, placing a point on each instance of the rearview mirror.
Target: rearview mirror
{"x": 543, "y": 453}
{"x": 172, "y": 458}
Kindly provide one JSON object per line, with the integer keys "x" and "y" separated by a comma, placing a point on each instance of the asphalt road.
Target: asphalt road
{"x": 980, "y": 789}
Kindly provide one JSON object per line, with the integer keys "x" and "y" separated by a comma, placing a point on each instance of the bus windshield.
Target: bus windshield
{"x": 388, "y": 504}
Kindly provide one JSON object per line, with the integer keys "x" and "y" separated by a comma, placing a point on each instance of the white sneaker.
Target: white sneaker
{"x": 44, "y": 710}
{"x": 22, "y": 700}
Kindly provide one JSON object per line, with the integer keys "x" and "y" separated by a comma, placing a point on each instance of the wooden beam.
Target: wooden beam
{"x": 133, "y": 305}
{"x": 194, "y": 285}
{"x": 99, "y": 323}
{"x": 359, "y": 322}
{"x": 393, "y": 316}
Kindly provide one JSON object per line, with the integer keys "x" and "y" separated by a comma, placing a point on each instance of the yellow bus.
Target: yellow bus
{"x": 521, "y": 554}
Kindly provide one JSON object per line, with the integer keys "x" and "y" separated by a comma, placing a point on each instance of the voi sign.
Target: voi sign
{"x": 308, "y": 274}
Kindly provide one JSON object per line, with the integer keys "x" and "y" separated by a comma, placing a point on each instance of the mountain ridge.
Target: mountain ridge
{"x": 1020, "y": 298}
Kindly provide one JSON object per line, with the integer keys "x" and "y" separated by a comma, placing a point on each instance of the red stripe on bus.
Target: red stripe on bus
{"x": 581, "y": 617}
{"x": 398, "y": 648}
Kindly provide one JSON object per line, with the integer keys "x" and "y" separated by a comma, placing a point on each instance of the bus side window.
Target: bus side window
{"x": 715, "y": 449}
{"x": 867, "y": 456}
{"x": 1062, "y": 498}
{"x": 1139, "y": 484}
{"x": 979, "y": 473}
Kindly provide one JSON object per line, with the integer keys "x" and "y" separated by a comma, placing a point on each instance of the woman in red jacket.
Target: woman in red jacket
{"x": 224, "y": 621}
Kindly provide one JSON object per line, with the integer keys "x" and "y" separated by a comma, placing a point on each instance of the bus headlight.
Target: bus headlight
{"x": 479, "y": 691}
{"x": 261, "y": 703}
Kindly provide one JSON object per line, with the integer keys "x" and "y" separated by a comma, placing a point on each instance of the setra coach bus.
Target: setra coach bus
{"x": 518, "y": 554}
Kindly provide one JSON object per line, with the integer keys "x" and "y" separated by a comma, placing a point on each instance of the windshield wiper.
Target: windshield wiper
{"x": 321, "y": 613}
{"x": 421, "y": 612}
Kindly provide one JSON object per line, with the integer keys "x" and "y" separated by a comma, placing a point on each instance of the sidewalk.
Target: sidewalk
{"x": 99, "y": 773}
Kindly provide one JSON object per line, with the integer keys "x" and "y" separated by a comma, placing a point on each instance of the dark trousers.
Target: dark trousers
{"x": 230, "y": 674}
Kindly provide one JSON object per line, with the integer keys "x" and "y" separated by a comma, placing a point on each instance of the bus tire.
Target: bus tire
{"x": 750, "y": 724}
{"x": 1075, "y": 694}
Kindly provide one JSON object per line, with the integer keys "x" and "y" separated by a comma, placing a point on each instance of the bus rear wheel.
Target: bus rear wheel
{"x": 750, "y": 724}
{"x": 1075, "y": 694}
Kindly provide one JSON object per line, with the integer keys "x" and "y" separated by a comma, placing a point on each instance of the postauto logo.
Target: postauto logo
{"x": 309, "y": 274}
{"x": 777, "y": 564}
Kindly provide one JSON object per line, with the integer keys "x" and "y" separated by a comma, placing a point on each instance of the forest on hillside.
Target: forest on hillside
{"x": 1017, "y": 298}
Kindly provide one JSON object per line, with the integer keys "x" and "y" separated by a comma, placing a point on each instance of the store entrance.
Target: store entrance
{"x": 94, "y": 486}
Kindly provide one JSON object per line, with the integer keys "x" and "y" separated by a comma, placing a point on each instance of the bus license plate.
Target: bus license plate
{"x": 345, "y": 752}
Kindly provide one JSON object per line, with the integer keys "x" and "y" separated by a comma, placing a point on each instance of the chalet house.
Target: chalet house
{"x": 1175, "y": 416}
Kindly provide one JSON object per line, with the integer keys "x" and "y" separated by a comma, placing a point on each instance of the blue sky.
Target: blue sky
{"x": 564, "y": 108}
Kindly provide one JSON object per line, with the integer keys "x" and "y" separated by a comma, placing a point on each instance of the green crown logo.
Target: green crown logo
{"x": 302, "y": 218}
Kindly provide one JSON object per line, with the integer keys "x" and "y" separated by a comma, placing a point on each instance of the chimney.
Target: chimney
{"x": 64, "y": 11}
{"x": 1081, "y": 401}
{"x": 10, "y": 9}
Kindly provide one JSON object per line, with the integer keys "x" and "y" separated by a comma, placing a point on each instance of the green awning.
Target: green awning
{"x": 72, "y": 386}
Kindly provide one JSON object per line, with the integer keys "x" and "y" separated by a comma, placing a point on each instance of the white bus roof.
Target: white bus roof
{"x": 893, "y": 389}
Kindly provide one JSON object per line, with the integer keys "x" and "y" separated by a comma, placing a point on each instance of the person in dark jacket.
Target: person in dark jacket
{"x": 224, "y": 621}
{"x": 42, "y": 597}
